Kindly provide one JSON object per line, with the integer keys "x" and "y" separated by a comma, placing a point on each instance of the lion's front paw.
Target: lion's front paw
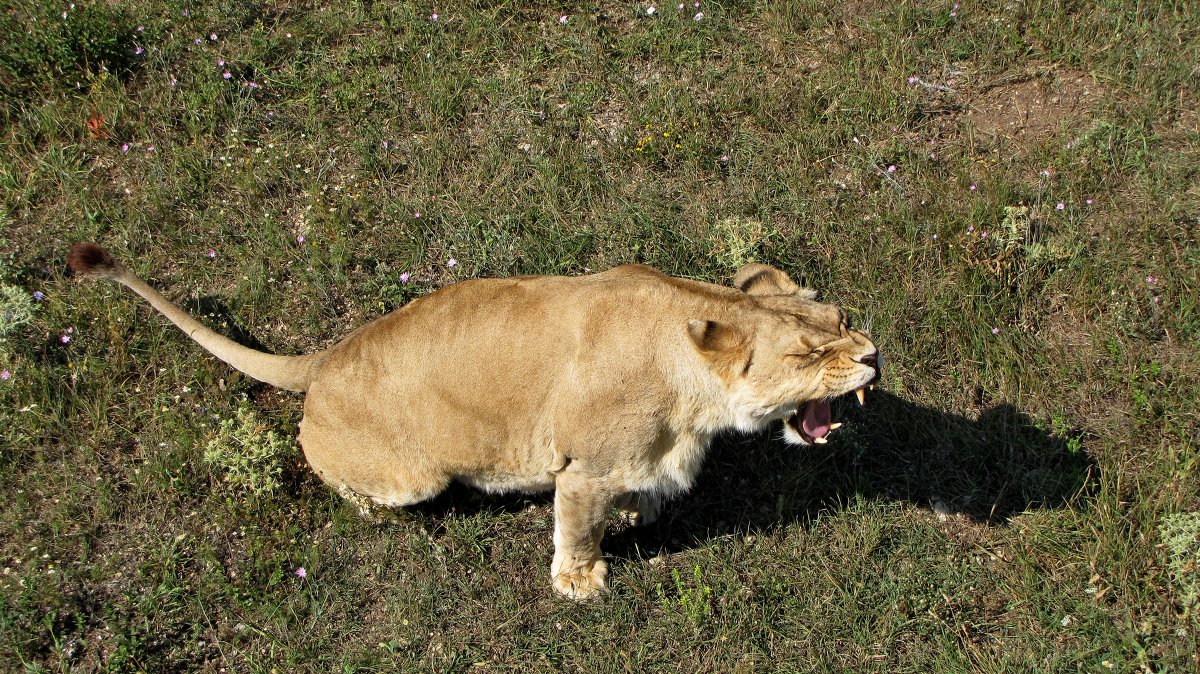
{"x": 582, "y": 582}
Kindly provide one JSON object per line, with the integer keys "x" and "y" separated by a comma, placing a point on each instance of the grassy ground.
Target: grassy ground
{"x": 1008, "y": 191}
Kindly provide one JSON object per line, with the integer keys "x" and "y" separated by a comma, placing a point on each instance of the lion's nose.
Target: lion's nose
{"x": 873, "y": 360}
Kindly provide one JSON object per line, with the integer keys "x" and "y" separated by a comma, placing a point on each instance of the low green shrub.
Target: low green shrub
{"x": 248, "y": 452}
{"x": 46, "y": 44}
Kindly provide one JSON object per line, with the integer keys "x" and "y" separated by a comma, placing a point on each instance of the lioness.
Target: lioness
{"x": 606, "y": 388}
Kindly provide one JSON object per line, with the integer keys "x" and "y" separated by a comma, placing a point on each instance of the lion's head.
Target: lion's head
{"x": 789, "y": 359}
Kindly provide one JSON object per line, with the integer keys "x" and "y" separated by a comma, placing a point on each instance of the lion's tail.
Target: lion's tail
{"x": 293, "y": 373}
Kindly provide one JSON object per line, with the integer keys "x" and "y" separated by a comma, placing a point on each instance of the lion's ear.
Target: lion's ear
{"x": 725, "y": 347}
{"x": 763, "y": 279}
{"x": 714, "y": 337}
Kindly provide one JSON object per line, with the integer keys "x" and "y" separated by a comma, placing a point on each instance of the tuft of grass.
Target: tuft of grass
{"x": 16, "y": 310}
{"x": 735, "y": 242}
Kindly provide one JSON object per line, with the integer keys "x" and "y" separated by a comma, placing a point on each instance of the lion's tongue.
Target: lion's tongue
{"x": 816, "y": 419}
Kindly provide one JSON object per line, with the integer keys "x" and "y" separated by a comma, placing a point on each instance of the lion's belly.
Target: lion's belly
{"x": 498, "y": 482}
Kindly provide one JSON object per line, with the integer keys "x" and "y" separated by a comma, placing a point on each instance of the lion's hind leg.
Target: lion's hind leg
{"x": 369, "y": 480}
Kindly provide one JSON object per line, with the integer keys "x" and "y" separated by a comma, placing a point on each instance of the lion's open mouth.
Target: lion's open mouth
{"x": 813, "y": 422}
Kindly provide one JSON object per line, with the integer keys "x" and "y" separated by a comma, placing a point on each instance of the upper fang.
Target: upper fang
{"x": 861, "y": 393}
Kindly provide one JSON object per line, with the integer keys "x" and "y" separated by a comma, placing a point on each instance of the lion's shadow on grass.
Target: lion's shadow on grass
{"x": 893, "y": 449}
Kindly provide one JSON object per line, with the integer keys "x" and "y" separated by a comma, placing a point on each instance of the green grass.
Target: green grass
{"x": 1019, "y": 498}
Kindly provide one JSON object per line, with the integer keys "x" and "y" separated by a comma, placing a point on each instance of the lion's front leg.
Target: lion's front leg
{"x": 580, "y": 506}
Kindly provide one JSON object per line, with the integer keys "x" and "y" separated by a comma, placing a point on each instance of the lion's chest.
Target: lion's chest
{"x": 672, "y": 466}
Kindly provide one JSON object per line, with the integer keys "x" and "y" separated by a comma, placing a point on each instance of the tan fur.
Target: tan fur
{"x": 606, "y": 388}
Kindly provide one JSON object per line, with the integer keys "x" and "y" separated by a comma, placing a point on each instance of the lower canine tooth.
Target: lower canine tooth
{"x": 820, "y": 441}
{"x": 834, "y": 427}
{"x": 862, "y": 395}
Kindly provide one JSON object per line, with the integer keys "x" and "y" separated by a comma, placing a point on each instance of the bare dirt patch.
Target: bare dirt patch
{"x": 1031, "y": 111}
{"x": 611, "y": 120}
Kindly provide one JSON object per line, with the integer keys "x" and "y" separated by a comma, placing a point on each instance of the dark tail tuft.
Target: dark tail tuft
{"x": 89, "y": 259}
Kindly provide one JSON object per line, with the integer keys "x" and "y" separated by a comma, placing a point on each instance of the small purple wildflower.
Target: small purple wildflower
{"x": 300, "y": 238}
{"x": 149, "y": 149}
{"x": 65, "y": 339}
{"x": 138, "y": 51}
{"x": 892, "y": 168}
{"x": 70, "y": 329}
{"x": 650, "y": 11}
{"x": 301, "y": 572}
{"x": 124, "y": 147}
{"x": 972, "y": 187}
{"x": 1089, "y": 202}
{"x": 699, "y": 16}
{"x": 995, "y": 331}
{"x": 5, "y": 375}
{"x": 220, "y": 63}
{"x": 562, "y": 20}
{"x": 983, "y": 234}
{"x": 1150, "y": 280}
{"x": 933, "y": 155}
{"x": 198, "y": 40}
{"x": 404, "y": 277}
{"x": 212, "y": 254}
{"x": 212, "y": 37}
{"x": 417, "y": 214}
{"x": 1045, "y": 173}
{"x": 912, "y": 79}
{"x": 1060, "y": 206}
{"x": 451, "y": 263}
{"x": 252, "y": 84}
{"x": 724, "y": 159}
{"x": 433, "y": 17}
{"x": 186, "y": 13}
{"x": 226, "y": 74}
{"x": 970, "y": 228}
{"x": 39, "y": 295}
